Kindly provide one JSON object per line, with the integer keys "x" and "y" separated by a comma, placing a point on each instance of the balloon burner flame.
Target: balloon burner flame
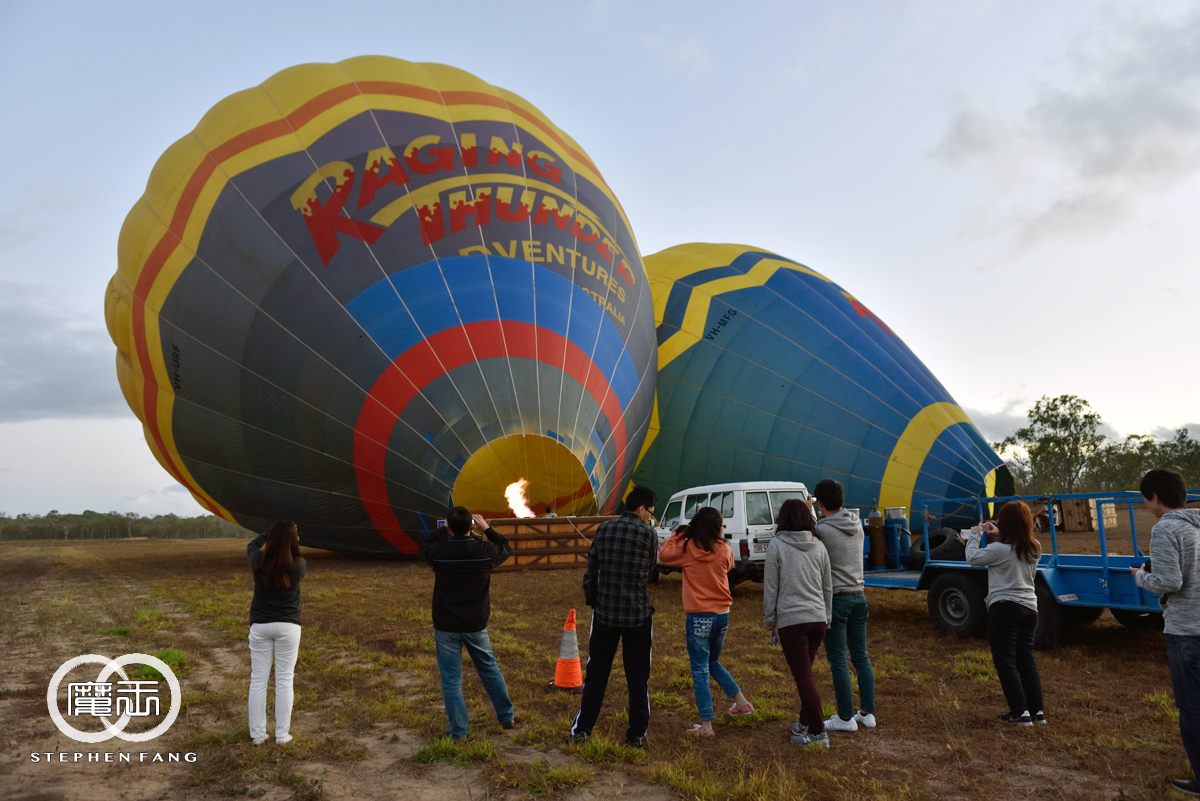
{"x": 515, "y": 493}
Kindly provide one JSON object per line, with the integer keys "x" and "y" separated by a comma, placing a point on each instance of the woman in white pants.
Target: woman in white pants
{"x": 274, "y": 558}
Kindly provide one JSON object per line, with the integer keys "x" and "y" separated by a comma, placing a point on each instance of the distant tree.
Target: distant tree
{"x": 1182, "y": 454}
{"x": 1121, "y": 465}
{"x": 1055, "y": 447}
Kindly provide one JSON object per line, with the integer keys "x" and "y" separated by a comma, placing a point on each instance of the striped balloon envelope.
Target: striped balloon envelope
{"x": 364, "y": 291}
{"x": 767, "y": 370}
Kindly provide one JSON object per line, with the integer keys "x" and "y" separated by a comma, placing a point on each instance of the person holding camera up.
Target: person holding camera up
{"x": 1011, "y": 558}
{"x": 462, "y": 554}
{"x": 1175, "y": 575}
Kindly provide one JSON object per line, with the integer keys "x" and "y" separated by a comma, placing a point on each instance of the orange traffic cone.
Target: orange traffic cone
{"x": 568, "y": 675}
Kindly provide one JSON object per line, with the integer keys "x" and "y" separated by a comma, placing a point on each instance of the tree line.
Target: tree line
{"x": 114, "y": 525}
{"x": 1061, "y": 449}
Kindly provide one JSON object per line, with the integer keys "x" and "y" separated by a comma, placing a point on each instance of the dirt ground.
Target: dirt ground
{"x": 368, "y": 708}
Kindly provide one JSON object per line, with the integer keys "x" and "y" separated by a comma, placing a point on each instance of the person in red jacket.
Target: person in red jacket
{"x": 706, "y": 560}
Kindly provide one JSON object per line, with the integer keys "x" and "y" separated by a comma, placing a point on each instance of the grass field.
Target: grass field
{"x": 368, "y": 707}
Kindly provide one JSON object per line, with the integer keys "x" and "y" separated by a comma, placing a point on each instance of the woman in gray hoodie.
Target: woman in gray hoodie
{"x": 798, "y": 608}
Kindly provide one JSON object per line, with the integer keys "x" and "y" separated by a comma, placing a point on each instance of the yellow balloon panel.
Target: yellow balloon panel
{"x": 556, "y": 479}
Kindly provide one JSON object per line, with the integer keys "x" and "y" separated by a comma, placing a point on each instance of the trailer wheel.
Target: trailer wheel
{"x": 1081, "y": 615}
{"x": 1051, "y": 620}
{"x": 956, "y": 605}
{"x": 950, "y": 549}
{"x": 1138, "y": 621}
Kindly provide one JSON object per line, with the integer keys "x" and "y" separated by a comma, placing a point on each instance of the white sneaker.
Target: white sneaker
{"x": 865, "y": 719}
{"x": 835, "y": 723}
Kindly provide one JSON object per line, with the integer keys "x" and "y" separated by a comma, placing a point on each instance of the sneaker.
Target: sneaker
{"x": 508, "y": 724}
{"x": 636, "y": 742}
{"x": 259, "y": 740}
{"x": 1040, "y": 717}
{"x": 865, "y": 719}
{"x": 1024, "y": 718}
{"x": 798, "y": 728}
{"x": 806, "y": 739}
{"x": 1186, "y": 786}
{"x": 287, "y": 738}
{"x": 835, "y": 723}
{"x": 578, "y": 739}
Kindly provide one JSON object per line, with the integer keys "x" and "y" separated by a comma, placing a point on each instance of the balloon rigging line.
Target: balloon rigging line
{"x": 956, "y": 434}
{"x": 241, "y": 367}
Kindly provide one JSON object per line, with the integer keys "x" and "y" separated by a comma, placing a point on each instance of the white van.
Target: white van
{"x": 749, "y": 509}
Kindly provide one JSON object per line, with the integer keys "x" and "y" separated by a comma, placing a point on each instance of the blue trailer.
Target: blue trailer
{"x": 1072, "y": 589}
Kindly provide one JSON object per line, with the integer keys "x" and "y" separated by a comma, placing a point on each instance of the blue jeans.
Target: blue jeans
{"x": 705, "y": 638}
{"x": 449, "y": 660}
{"x": 849, "y": 632}
{"x": 1183, "y": 655}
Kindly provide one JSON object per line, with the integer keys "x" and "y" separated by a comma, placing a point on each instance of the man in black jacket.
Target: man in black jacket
{"x": 614, "y": 585}
{"x": 462, "y": 564}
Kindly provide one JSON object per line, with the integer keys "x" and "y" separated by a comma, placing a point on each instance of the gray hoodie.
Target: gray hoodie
{"x": 842, "y": 535}
{"x": 1175, "y": 560}
{"x": 797, "y": 587}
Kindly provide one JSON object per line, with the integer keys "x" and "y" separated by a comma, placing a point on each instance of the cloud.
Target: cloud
{"x": 686, "y": 54}
{"x": 54, "y": 362}
{"x": 1084, "y": 154}
{"x": 1166, "y": 432}
{"x": 995, "y": 426}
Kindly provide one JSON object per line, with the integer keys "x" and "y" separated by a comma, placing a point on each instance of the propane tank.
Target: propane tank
{"x": 875, "y": 532}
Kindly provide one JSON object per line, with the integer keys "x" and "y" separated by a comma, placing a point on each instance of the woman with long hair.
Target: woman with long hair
{"x": 274, "y": 558}
{"x": 706, "y": 560}
{"x": 1011, "y": 558}
{"x": 798, "y": 608}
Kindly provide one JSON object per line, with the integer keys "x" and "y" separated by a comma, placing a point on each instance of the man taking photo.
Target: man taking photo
{"x": 462, "y": 563}
{"x": 1175, "y": 575}
{"x": 614, "y": 585}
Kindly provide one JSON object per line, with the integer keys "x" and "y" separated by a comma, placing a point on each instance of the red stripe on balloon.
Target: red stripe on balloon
{"x": 418, "y": 366}
{"x": 170, "y": 240}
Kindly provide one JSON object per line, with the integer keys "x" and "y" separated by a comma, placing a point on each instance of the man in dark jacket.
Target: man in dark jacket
{"x": 462, "y": 564}
{"x": 614, "y": 585}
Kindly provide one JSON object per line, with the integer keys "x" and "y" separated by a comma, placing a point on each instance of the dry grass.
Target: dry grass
{"x": 367, "y": 665}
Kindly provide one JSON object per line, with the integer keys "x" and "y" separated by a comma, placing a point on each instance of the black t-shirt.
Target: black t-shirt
{"x": 274, "y": 604}
{"x": 463, "y": 578}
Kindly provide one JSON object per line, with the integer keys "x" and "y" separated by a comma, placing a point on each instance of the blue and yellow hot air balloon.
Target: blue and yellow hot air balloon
{"x": 363, "y": 291}
{"x": 769, "y": 370}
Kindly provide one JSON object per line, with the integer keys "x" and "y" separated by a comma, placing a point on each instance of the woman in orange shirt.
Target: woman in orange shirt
{"x": 706, "y": 560}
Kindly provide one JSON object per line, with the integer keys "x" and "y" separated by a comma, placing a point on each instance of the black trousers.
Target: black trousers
{"x": 1010, "y": 628}
{"x": 602, "y": 649}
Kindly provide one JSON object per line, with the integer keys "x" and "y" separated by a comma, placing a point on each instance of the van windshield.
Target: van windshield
{"x": 670, "y": 518}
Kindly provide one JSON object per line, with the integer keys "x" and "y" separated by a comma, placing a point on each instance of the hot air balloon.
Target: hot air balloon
{"x": 364, "y": 291}
{"x": 767, "y": 370}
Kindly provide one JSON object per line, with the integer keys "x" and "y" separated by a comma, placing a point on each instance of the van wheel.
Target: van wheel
{"x": 655, "y": 572}
{"x": 956, "y": 605}
{"x": 1138, "y": 621}
{"x": 736, "y": 578}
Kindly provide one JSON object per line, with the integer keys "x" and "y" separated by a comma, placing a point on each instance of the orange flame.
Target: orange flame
{"x": 515, "y": 493}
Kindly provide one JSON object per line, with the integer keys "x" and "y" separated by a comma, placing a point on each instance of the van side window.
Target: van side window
{"x": 671, "y": 516}
{"x": 694, "y": 504}
{"x": 758, "y": 511}
{"x": 777, "y": 499}
{"x": 723, "y": 503}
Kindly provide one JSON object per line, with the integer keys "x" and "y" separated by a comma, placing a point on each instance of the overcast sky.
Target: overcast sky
{"x": 1008, "y": 185}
